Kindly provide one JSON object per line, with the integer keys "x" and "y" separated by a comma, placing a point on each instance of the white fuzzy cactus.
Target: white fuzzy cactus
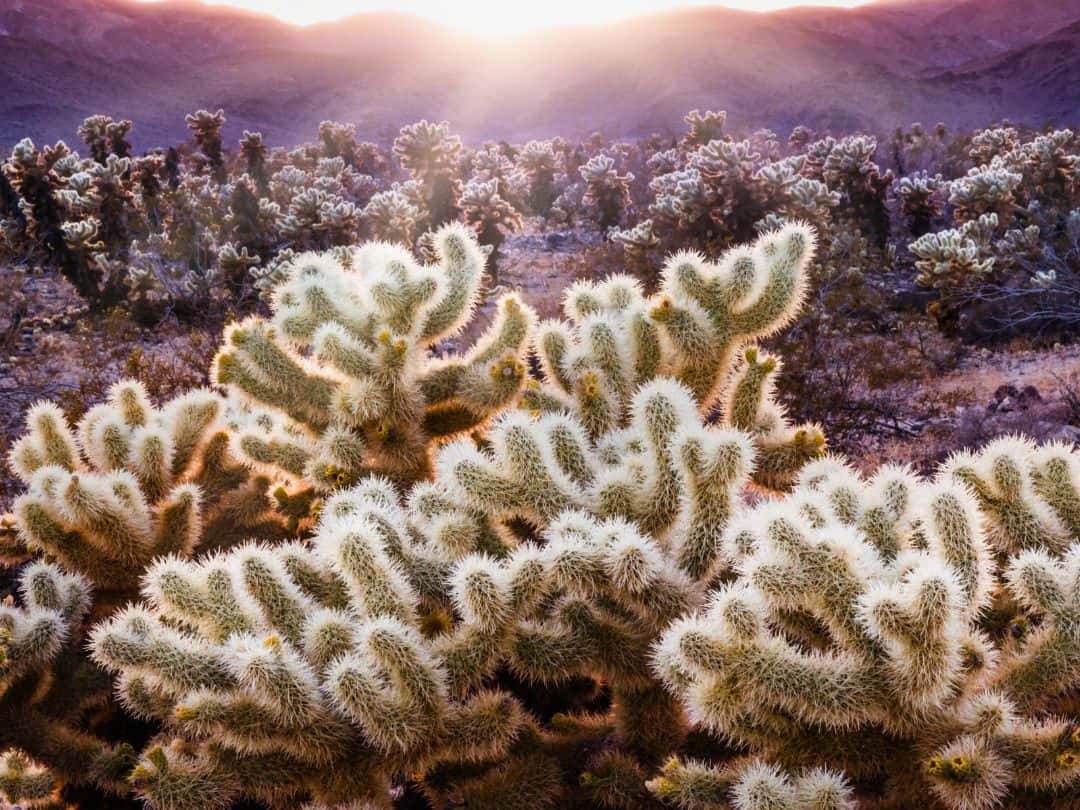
{"x": 132, "y": 482}
{"x": 45, "y": 686}
{"x": 342, "y": 378}
{"x": 863, "y": 630}
{"x": 698, "y": 329}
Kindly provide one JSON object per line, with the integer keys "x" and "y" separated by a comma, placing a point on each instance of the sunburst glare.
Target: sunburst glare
{"x": 498, "y": 16}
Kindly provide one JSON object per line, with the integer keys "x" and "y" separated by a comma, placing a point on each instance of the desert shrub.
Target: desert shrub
{"x": 1011, "y": 259}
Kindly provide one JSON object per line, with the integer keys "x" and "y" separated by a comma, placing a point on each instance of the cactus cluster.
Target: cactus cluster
{"x": 47, "y": 686}
{"x": 607, "y": 602}
{"x": 399, "y": 640}
{"x": 340, "y": 382}
{"x": 588, "y": 562}
{"x": 1011, "y": 234}
{"x": 132, "y": 482}
{"x": 918, "y": 633}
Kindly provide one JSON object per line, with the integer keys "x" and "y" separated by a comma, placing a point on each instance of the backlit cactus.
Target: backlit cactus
{"x": 430, "y": 154}
{"x": 607, "y": 193}
{"x": 341, "y": 381}
{"x": 309, "y": 672}
{"x": 488, "y": 213}
{"x": 46, "y": 689}
{"x": 697, "y": 329}
{"x": 704, "y": 127}
{"x": 538, "y": 162}
{"x": 132, "y": 482}
{"x": 863, "y": 631}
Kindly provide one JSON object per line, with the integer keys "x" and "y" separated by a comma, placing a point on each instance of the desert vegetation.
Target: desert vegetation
{"x": 424, "y": 474}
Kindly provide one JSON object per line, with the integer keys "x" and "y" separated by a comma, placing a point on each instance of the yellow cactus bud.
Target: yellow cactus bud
{"x": 664, "y": 787}
{"x": 662, "y": 311}
{"x": 961, "y": 766}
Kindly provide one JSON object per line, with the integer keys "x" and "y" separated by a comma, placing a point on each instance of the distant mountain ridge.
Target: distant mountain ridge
{"x": 965, "y": 62}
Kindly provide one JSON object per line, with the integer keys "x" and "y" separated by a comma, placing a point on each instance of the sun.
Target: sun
{"x": 500, "y": 16}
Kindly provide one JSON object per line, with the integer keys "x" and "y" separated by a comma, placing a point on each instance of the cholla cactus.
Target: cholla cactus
{"x": 133, "y": 482}
{"x": 492, "y": 161}
{"x": 683, "y": 202}
{"x": 393, "y": 216}
{"x": 339, "y": 141}
{"x": 318, "y": 220}
{"x": 489, "y": 214}
{"x": 704, "y": 127}
{"x": 637, "y": 241}
{"x": 369, "y": 654}
{"x": 105, "y": 137}
{"x": 985, "y": 190}
{"x": 954, "y": 261}
{"x": 607, "y": 192}
{"x": 800, "y": 137}
{"x": 236, "y": 264}
{"x": 856, "y": 634}
{"x": 306, "y": 672}
{"x": 750, "y": 785}
{"x": 920, "y": 200}
{"x": 30, "y": 172}
{"x": 538, "y": 162}
{"x": 431, "y": 154}
{"x": 1010, "y": 259}
{"x": 725, "y": 192}
{"x": 695, "y": 330}
{"x": 24, "y": 783}
{"x": 559, "y": 549}
{"x": 254, "y": 153}
{"x": 848, "y": 166}
{"x": 205, "y": 128}
{"x": 989, "y": 143}
{"x": 1028, "y": 495}
{"x": 341, "y": 379}
{"x": 45, "y": 687}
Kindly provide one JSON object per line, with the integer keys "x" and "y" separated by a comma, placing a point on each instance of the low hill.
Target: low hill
{"x": 965, "y": 62}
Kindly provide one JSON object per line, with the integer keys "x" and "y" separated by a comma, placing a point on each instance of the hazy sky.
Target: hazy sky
{"x": 501, "y": 15}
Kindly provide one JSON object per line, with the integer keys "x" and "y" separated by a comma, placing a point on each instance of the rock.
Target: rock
{"x": 555, "y": 240}
{"x": 1009, "y": 398}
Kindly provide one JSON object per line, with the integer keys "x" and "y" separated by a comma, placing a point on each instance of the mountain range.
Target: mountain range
{"x": 881, "y": 65}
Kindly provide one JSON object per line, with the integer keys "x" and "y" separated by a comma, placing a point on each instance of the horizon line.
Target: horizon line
{"x": 690, "y": 6}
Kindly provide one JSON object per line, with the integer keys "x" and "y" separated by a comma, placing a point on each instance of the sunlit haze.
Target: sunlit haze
{"x": 500, "y": 15}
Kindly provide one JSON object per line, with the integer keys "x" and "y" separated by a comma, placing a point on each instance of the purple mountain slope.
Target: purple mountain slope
{"x": 965, "y": 62}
